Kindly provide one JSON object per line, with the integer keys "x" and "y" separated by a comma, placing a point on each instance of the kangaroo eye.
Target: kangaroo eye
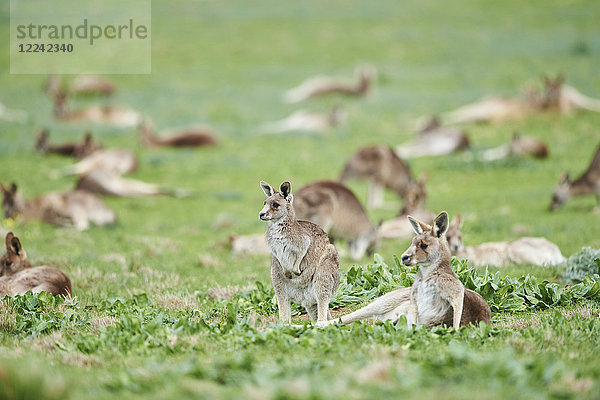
{"x": 275, "y": 205}
{"x": 423, "y": 246}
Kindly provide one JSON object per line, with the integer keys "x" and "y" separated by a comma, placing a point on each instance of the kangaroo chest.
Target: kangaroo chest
{"x": 284, "y": 247}
{"x": 430, "y": 303}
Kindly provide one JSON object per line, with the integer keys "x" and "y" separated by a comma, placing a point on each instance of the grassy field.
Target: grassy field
{"x": 147, "y": 320}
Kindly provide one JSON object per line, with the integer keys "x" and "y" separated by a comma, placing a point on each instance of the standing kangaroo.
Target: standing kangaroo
{"x": 78, "y": 150}
{"x": 190, "y": 137}
{"x": 77, "y": 208}
{"x": 338, "y": 212}
{"x": 437, "y": 294}
{"x": 587, "y": 183}
{"x": 525, "y": 250}
{"x": 304, "y": 264}
{"x": 18, "y": 276}
{"x": 381, "y": 167}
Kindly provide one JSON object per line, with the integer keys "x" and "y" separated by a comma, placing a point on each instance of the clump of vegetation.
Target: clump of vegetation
{"x": 586, "y": 262}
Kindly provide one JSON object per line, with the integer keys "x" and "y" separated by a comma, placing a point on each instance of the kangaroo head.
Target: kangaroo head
{"x": 15, "y": 259}
{"x": 279, "y": 203}
{"x": 12, "y": 201}
{"x": 561, "y": 192}
{"x": 429, "y": 247}
{"x": 552, "y": 91}
{"x": 454, "y": 235}
{"x": 415, "y": 196}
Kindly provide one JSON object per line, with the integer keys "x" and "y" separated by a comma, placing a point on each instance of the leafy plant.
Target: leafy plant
{"x": 586, "y": 262}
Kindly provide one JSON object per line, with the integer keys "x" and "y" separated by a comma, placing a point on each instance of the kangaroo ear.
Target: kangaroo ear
{"x": 15, "y": 246}
{"x": 457, "y": 221}
{"x": 12, "y": 244}
{"x": 13, "y": 187}
{"x": 286, "y": 189}
{"x": 268, "y": 189}
{"x": 418, "y": 226}
{"x": 440, "y": 225}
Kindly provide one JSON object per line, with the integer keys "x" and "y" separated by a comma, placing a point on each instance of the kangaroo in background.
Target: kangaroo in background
{"x": 437, "y": 296}
{"x": 526, "y": 250}
{"x": 303, "y": 120}
{"x": 189, "y": 137}
{"x": 119, "y": 161}
{"x": 334, "y": 208}
{"x": 18, "y": 276}
{"x": 587, "y": 183}
{"x": 414, "y": 205}
{"x": 323, "y": 85}
{"x": 78, "y": 150}
{"x": 381, "y": 167}
{"x": 12, "y": 115}
{"x": 519, "y": 146}
{"x": 82, "y": 85}
{"x": 100, "y": 114}
{"x": 76, "y": 208}
{"x": 304, "y": 264}
{"x": 434, "y": 140}
{"x": 555, "y": 96}
{"x": 112, "y": 184}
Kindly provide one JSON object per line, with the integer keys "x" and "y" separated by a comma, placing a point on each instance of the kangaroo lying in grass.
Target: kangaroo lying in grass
{"x": 338, "y": 212}
{"x": 303, "y": 120}
{"x": 304, "y": 264}
{"x": 323, "y": 85}
{"x": 519, "y": 146}
{"x": 555, "y": 96}
{"x": 437, "y": 296}
{"x": 78, "y": 150}
{"x": 381, "y": 167}
{"x": 434, "y": 140}
{"x": 77, "y": 208}
{"x": 587, "y": 183}
{"x": 414, "y": 205}
{"x": 18, "y": 276}
{"x": 119, "y": 161}
{"x": 100, "y": 114}
{"x": 112, "y": 184}
{"x": 189, "y": 137}
{"x": 526, "y": 250}
{"x": 82, "y": 85}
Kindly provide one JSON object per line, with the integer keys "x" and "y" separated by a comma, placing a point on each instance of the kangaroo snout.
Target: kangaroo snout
{"x": 261, "y": 215}
{"x": 405, "y": 259}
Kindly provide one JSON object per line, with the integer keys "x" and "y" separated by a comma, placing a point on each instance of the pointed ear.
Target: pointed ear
{"x": 286, "y": 189}
{"x": 268, "y": 189}
{"x": 13, "y": 187}
{"x": 15, "y": 246}
{"x": 423, "y": 179}
{"x": 418, "y": 226}
{"x": 8, "y": 240}
{"x": 457, "y": 221}
{"x": 440, "y": 225}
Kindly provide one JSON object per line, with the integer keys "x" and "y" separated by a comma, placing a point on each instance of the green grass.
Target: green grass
{"x": 227, "y": 64}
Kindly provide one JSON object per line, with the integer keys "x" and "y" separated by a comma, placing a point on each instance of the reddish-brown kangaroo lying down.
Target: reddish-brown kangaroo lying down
{"x": 18, "y": 276}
